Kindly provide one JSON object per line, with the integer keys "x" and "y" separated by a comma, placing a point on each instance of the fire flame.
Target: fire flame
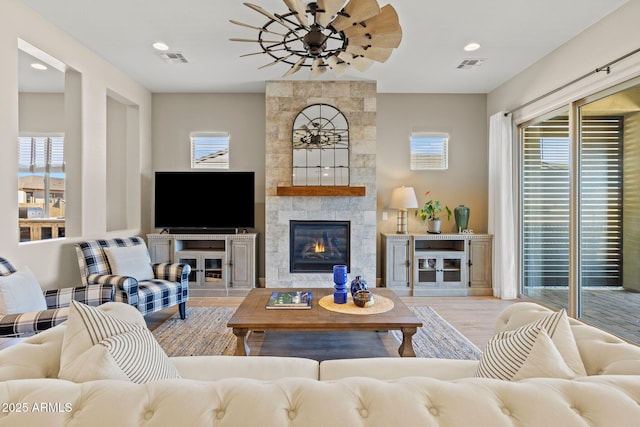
{"x": 318, "y": 247}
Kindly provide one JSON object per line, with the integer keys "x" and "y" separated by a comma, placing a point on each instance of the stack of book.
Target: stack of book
{"x": 290, "y": 300}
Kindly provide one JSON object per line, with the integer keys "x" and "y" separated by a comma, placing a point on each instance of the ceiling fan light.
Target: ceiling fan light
{"x": 314, "y": 41}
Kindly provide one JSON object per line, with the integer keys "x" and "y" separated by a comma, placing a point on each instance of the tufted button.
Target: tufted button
{"x": 292, "y": 414}
{"x": 506, "y": 411}
{"x": 434, "y": 411}
{"x": 364, "y": 413}
{"x": 220, "y": 414}
{"x": 576, "y": 410}
{"x": 148, "y": 415}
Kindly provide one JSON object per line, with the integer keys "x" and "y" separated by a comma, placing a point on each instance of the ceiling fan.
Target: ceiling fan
{"x": 327, "y": 34}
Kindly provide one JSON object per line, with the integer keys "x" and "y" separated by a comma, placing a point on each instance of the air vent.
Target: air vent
{"x": 469, "y": 64}
{"x": 173, "y": 58}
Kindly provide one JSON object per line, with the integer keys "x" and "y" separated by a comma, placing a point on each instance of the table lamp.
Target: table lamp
{"x": 403, "y": 198}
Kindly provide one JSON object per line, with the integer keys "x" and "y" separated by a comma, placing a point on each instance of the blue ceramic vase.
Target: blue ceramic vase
{"x": 358, "y": 284}
{"x": 340, "y": 280}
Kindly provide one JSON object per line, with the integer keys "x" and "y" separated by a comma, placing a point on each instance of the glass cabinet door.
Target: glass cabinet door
{"x": 440, "y": 269}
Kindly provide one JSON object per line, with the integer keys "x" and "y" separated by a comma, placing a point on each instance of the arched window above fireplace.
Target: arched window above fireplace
{"x": 320, "y": 147}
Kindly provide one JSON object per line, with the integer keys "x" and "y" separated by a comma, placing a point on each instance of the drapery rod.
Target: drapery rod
{"x": 605, "y": 67}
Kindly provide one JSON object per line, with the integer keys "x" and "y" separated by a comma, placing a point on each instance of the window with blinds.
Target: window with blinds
{"x": 40, "y": 154}
{"x": 210, "y": 150}
{"x": 429, "y": 151}
{"x": 601, "y": 200}
{"x": 545, "y": 202}
{"x": 41, "y": 187}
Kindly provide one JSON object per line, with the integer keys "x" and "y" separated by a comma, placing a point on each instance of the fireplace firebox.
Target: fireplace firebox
{"x": 316, "y": 246}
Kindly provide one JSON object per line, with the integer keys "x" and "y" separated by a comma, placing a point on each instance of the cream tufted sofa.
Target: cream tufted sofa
{"x": 279, "y": 391}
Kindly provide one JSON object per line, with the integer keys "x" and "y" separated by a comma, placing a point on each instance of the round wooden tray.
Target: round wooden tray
{"x": 380, "y": 305}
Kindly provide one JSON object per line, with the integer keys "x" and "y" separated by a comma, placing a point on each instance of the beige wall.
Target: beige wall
{"x": 243, "y": 115}
{"x": 54, "y": 262}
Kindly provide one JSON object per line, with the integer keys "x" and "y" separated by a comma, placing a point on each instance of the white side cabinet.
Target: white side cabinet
{"x": 437, "y": 264}
{"x": 221, "y": 264}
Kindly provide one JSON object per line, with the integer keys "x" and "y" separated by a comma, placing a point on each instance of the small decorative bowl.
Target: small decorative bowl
{"x": 363, "y": 299}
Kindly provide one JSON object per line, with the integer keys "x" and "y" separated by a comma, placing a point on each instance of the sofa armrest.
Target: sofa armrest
{"x": 125, "y": 287}
{"x": 173, "y": 272}
{"x": 24, "y": 324}
{"x": 93, "y": 295}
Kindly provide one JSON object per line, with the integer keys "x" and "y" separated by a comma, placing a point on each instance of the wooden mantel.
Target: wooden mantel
{"x": 321, "y": 190}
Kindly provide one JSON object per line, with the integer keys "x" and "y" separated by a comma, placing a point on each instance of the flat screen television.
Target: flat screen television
{"x": 204, "y": 201}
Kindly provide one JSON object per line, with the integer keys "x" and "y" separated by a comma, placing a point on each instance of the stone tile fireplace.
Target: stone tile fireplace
{"x": 316, "y": 246}
{"x": 284, "y": 100}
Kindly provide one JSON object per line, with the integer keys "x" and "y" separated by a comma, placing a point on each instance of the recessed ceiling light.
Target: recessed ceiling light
{"x": 160, "y": 46}
{"x": 38, "y": 66}
{"x": 472, "y": 46}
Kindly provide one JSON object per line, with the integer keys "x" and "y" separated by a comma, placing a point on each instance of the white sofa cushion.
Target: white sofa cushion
{"x": 98, "y": 345}
{"x": 132, "y": 261}
{"x": 20, "y": 292}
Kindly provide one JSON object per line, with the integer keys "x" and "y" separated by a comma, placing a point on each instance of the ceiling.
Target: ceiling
{"x": 513, "y": 35}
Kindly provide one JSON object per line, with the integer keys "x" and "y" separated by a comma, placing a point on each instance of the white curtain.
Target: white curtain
{"x": 502, "y": 223}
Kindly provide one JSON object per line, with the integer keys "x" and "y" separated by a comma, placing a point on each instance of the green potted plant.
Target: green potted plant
{"x": 430, "y": 212}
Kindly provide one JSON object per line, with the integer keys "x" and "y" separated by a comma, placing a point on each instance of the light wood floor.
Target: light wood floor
{"x": 474, "y": 317}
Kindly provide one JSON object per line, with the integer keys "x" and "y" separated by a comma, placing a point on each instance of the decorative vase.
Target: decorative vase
{"x": 433, "y": 226}
{"x": 340, "y": 280}
{"x": 461, "y": 213}
{"x": 358, "y": 284}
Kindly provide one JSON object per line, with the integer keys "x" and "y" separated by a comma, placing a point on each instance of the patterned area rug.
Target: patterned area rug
{"x": 205, "y": 332}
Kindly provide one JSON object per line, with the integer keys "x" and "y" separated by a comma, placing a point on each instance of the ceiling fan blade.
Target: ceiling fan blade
{"x": 317, "y": 67}
{"x": 386, "y": 21}
{"x": 338, "y": 68}
{"x": 295, "y": 67}
{"x": 378, "y": 40}
{"x": 379, "y": 54}
{"x": 331, "y": 9}
{"x": 254, "y": 27}
{"x": 300, "y": 9}
{"x": 360, "y": 63}
{"x": 262, "y": 52}
{"x": 255, "y": 41}
{"x": 275, "y": 62}
{"x": 358, "y": 11}
{"x": 267, "y": 14}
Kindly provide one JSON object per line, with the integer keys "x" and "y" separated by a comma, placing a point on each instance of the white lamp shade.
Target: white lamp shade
{"x": 403, "y": 198}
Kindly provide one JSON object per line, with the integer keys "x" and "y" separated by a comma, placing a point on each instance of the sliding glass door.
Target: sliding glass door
{"x": 591, "y": 186}
{"x": 544, "y": 207}
{"x": 609, "y": 239}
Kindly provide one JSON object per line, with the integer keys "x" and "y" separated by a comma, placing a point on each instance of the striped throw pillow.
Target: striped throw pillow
{"x": 98, "y": 346}
{"x": 557, "y": 326}
{"x": 528, "y": 352}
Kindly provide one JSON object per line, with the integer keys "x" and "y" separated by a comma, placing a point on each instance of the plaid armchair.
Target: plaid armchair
{"x": 58, "y": 300}
{"x": 169, "y": 287}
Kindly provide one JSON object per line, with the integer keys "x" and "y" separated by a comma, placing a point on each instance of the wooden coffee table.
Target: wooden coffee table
{"x": 252, "y": 315}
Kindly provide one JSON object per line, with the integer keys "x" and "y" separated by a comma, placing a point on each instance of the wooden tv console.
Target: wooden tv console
{"x": 221, "y": 264}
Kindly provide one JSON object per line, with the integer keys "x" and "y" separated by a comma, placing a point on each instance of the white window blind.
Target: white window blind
{"x": 210, "y": 150}
{"x": 546, "y": 195}
{"x": 38, "y": 154}
{"x": 429, "y": 151}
